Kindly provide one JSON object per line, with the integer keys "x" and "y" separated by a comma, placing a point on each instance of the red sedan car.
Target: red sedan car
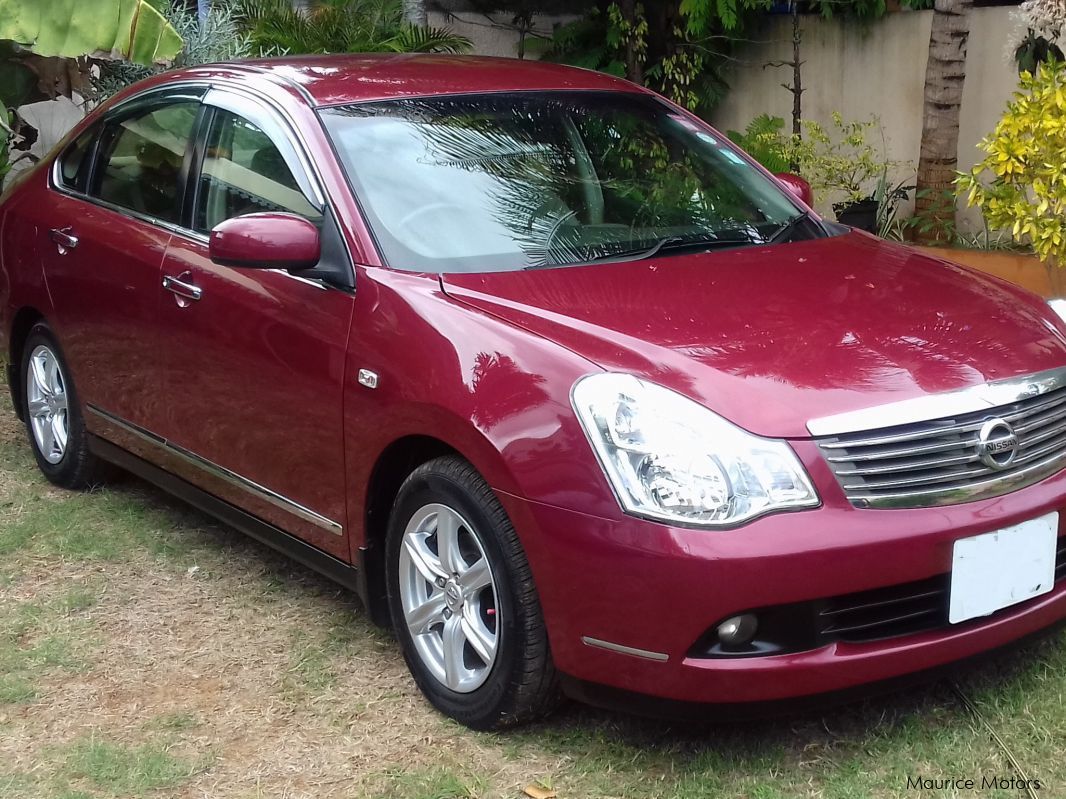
{"x": 567, "y": 388}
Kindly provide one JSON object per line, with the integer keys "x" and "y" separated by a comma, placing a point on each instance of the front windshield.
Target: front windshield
{"x": 499, "y": 182}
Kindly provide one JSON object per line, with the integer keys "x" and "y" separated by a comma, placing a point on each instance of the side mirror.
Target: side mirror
{"x": 266, "y": 241}
{"x": 799, "y": 188}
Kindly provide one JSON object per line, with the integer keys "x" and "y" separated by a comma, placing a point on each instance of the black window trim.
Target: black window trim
{"x": 162, "y": 95}
{"x": 194, "y": 158}
{"x": 273, "y": 124}
{"x": 280, "y": 125}
{"x": 192, "y": 177}
{"x": 109, "y": 132}
{"x": 87, "y": 158}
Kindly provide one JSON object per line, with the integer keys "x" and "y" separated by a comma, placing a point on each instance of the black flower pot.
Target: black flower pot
{"x": 861, "y": 214}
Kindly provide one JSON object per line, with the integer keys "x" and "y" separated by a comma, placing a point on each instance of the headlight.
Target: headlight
{"x": 671, "y": 459}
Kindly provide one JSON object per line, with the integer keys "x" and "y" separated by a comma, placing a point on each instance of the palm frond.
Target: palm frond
{"x": 341, "y": 26}
{"x": 414, "y": 39}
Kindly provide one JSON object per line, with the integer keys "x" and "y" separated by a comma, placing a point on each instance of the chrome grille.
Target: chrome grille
{"x": 938, "y": 462}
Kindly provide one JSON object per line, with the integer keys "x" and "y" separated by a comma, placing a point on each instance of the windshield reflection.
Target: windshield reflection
{"x": 532, "y": 179}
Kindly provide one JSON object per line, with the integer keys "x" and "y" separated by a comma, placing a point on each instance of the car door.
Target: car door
{"x": 254, "y": 358}
{"x": 103, "y": 238}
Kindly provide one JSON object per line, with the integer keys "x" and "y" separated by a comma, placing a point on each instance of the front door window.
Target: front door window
{"x": 244, "y": 173}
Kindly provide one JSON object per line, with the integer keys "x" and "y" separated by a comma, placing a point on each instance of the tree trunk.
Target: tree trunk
{"x": 634, "y": 67}
{"x": 414, "y": 11}
{"x": 945, "y": 73}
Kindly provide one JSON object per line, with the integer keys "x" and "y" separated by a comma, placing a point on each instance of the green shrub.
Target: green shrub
{"x": 1020, "y": 184}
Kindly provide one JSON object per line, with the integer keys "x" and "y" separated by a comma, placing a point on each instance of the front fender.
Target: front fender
{"x": 492, "y": 391}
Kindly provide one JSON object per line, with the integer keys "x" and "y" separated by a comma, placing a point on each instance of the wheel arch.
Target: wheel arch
{"x": 395, "y": 462}
{"x": 21, "y": 325}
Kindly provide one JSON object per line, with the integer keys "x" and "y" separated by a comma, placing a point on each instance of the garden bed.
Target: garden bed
{"x": 1023, "y": 269}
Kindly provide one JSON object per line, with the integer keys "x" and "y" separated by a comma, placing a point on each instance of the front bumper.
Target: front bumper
{"x": 658, "y": 589}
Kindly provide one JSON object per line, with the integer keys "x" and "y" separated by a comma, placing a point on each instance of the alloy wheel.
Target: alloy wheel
{"x": 46, "y": 403}
{"x": 449, "y": 598}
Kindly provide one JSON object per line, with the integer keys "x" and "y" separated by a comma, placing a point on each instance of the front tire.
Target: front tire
{"x": 463, "y": 602}
{"x": 53, "y": 417}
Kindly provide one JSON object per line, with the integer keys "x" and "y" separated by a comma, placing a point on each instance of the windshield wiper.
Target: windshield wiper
{"x": 788, "y": 228}
{"x": 675, "y": 243}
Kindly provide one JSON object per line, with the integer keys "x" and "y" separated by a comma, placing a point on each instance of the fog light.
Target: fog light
{"x": 738, "y": 630}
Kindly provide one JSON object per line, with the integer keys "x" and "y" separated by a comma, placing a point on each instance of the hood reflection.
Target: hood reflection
{"x": 773, "y": 336}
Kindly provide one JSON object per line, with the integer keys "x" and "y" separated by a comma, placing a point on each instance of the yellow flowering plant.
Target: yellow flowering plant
{"x": 1020, "y": 185}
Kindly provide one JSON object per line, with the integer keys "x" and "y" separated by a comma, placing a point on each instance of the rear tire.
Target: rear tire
{"x": 53, "y": 416}
{"x": 463, "y": 603}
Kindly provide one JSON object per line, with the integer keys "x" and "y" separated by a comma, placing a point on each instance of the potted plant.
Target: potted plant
{"x": 841, "y": 164}
{"x": 1020, "y": 185}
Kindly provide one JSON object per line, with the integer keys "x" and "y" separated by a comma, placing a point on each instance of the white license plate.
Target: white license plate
{"x": 996, "y": 570}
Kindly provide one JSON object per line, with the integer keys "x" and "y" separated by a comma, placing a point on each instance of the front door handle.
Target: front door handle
{"x": 182, "y": 289}
{"x": 64, "y": 238}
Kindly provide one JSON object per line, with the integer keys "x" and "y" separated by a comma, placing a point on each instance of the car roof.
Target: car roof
{"x": 342, "y": 79}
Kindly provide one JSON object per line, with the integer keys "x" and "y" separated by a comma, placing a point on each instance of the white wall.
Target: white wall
{"x": 492, "y": 34}
{"x": 880, "y": 72}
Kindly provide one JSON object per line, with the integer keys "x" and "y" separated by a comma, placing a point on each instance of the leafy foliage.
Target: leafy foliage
{"x": 1020, "y": 185}
{"x": 18, "y": 81}
{"x": 1044, "y": 18}
{"x": 128, "y": 29}
{"x": 341, "y": 26}
{"x": 589, "y": 44}
{"x": 521, "y": 16}
{"x": 863, "y": 11}
{"x": 218, "y": 38}
{"x": 681, "y": 49}
{"x": 764, "y": 140}
{"x": 888, "y": 196}
{"x": 839, "y": 162}
{"x": 48, "y": 49}
{"x": 1034, "y": 50}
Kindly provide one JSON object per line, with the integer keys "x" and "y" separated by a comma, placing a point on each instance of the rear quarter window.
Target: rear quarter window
{"x": 74, "y": 162}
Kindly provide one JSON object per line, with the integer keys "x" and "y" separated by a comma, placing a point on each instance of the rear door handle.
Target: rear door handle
{"x": 181, "y": 288}
{"x": 63, "y": 237}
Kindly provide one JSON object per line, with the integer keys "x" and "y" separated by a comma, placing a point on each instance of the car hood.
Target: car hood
{"x": 771, "y": 337}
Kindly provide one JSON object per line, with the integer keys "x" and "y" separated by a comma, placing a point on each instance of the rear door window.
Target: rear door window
{"x": 141, "y": 163}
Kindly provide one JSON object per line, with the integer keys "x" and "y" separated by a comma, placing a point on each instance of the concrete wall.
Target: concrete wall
{"x": 880, "y": 72}
{"x": 492, "y": 34}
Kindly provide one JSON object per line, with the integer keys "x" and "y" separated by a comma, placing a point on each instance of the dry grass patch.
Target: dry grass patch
{"x": 146, "y": 650}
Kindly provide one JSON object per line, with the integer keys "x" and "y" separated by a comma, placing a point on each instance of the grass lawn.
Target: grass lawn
{"x": 147, "y": 651}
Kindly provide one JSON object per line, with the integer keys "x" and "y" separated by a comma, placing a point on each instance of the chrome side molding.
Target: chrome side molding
{"x": 221, "y": 472}
{"x": 624, "y": 650}
{"x": 940, "y": 406}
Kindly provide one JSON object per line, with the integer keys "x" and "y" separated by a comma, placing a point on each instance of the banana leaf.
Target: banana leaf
{"x": 129, "y": 29}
